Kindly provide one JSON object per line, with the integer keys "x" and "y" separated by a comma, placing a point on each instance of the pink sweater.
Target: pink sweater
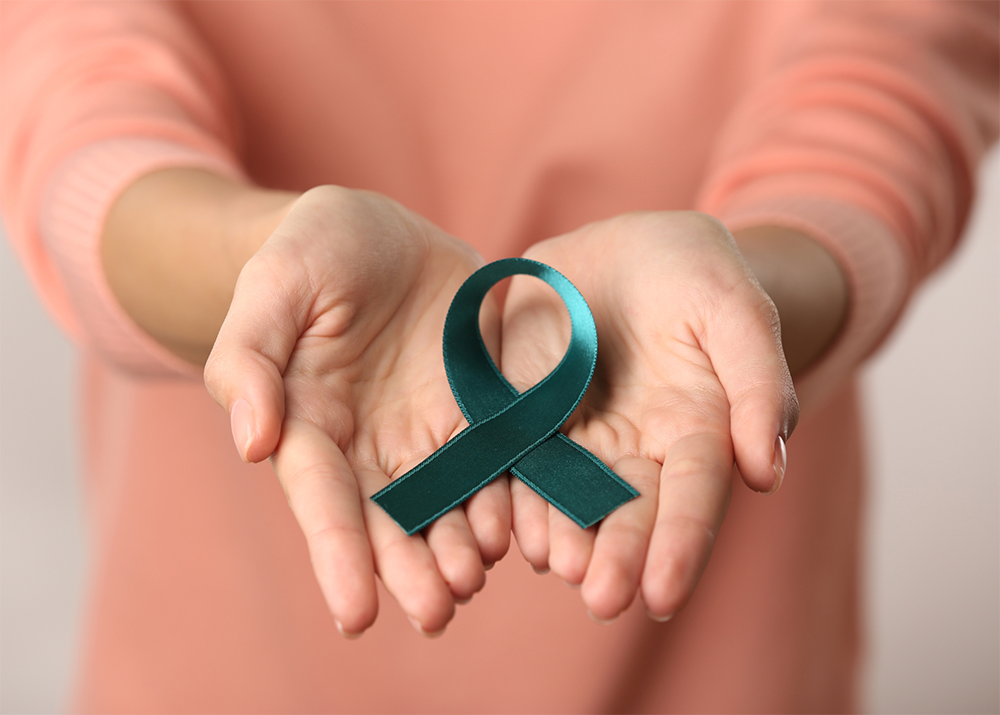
{"x": 504, "y": 123}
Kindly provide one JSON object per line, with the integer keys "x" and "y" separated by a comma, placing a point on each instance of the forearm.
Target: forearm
{"x": 173, "y": 246}
{"x": 807, "y": 287}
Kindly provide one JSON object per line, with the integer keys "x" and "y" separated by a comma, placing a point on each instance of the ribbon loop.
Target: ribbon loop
{"x": 510, "y": 430}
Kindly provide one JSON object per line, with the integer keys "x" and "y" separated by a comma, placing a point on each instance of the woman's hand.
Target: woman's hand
{"x": 331, "y": 307}
{"x": 690, "y": 378}
{"x": 329, "y": 362}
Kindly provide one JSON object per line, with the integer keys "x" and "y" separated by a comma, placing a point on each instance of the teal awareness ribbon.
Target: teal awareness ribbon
{"x": 510, "y": 431}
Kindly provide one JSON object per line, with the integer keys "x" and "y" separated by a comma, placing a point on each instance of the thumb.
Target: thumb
{"x": 244, "y": 371}
{"x": 745, "y": 349}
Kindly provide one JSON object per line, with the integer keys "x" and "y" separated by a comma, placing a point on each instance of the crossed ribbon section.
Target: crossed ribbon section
{"x": 508, "y": 430}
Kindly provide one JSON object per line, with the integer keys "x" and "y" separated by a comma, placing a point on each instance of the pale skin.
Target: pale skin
{"x": 318, "y": 319}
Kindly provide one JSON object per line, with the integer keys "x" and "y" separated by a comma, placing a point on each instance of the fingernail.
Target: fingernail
{"x": 779, "y": 462}
{"x": 244, "y": 428}
{"x": 461, "y": 601}
{"x": 574, "y": 586}
{"x": 345, "y": 634}
{"x": 420, "y": 629}
{"x": 601, "y": 621}
{"x": 660, "y": 619}
{"x": 489, "y": 567}
{"x": 540, "y": 572}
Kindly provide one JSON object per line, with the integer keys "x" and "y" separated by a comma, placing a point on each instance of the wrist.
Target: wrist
{"x": 173, "y": 246}
{"x": 807, "y": 286}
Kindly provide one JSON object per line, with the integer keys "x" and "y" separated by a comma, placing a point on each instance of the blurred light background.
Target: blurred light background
{"x": 932, "y": 578}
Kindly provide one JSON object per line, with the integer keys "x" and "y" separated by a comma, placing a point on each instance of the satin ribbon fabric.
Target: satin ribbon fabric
{"x": 510, "y": 431}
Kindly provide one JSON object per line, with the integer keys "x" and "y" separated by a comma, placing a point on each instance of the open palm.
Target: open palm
{"x": 690, "y": 378}
{"x": 331, "y": 355}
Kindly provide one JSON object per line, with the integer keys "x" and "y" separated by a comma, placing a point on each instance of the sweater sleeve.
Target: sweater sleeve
{"x": 866, "y": 135}
{"x": 95, "y": 95}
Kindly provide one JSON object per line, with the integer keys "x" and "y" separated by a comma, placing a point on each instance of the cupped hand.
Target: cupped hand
{"x": 329, "y": 362}
{"x": 690, "y": 378}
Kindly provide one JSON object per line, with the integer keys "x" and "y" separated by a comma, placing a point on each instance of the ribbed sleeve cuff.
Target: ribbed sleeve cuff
{"x": 874, "y": 264}
{"x": 73, "y": 212}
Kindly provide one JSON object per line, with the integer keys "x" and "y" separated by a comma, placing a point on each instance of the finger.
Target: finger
{"x": 406, "y": 564}
{"x": 489, "y": 515}
{"x": 570, "y": 547}
{"x": 244, "y": 370}
{"x": 530, "y": 524}
{"x": 456, "y": 554}
{"x": 745, "y": 349}
{"x": 695, "y": 484}
{"x": 619, "y": 555}
{"x": 323, "y": 494}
